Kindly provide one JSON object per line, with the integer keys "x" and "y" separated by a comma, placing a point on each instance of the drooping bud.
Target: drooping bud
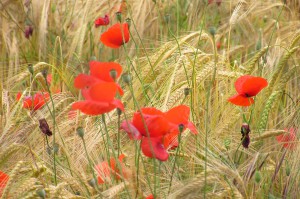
{"x": 93, "y": 58}
{"x": 245, "y": 130}
{"x": 28, "y": 29}
{"x": 92, "y": 182}
{"x": 212, "y": 30}
{"x": 167, "y": 18}
{"x": 113, "y": 74}
{"x": 30, "y": 69}
{"x": 45, "y": 73}
{"x": 126, "y": 78}
{"x": 119, "y": 111}
{"x": 55, "y": 148}
{"x": 119, "y": 16}
{"x": 41, "y": 193}
{"x": 128, "y": 21}
{"x": 45, "y": 127}
{"x": 257, "y": 177}
{"x": 186, "y": 91}
{"x": 80, "y": 132}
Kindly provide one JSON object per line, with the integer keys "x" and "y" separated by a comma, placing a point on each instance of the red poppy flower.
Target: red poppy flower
{"x": 102, "y": 21}
{"x": 3, "y": 181}
{"x": 154, "y": 120}
{"x": 247, "y": 87}
{"x": 150, "y": 197}
{"x": 113, "y": 37}
{"x": 99, "y": 99}
{"x": 36, "y": 102}
{"x": 288, "y": 139}
{"x": 105, "y": 170}
{"x": 99, "y": 72}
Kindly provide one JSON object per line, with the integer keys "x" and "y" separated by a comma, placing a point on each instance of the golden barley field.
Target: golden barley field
{"x": 149, "y": 99}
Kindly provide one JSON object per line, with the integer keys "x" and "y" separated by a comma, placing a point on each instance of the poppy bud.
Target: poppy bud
{"x": 257, "y": 177}
{"x": 186, "y": 91}
{"x": 113, "y": 74}
{"x": 41, "y": 193}
{"x": 126, "y": 78}
{"x": 28, "y": 31}
{"x": 245, "y": 130}
{"x": 55, "y": 148}
{"x": 167, "y": 18}
{"x": 181, "y": 128}
{"x": 119, "y": 16}
{"x": 212, "y": 30}
{"x": 265, "y": 19}
{"x": 45, "y": 73}
{"x": 119, "y": 111}
{"x": 93, "y": 58}
{"x": 30, "y": 69}
{"x": 128, "y": 21}
{"x": 92, "y": 182}
{"x": 45, "y": 127}
{"x": 49, "y": 150}
{"x": 80, "y": 132}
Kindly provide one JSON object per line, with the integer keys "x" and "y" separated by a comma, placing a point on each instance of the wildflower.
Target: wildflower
{"x": 28, "y": 30}
{"x": 247, "y": 87}
{"x": 99, "y": 99}
{"x": 116, "y": 35}
{"x": 102, "y": 21}
{"x": 99, "y": 72}
{"x": 107, "y": 170}
{"x": 288, "y": 139}
{"x": 36, "y": 102}
{"x": 218, "y": 45}
{"x": 45, "y": 127}
{"x": 245, "y": 130}
{"x": 3, "y": 181}
{"x": 158, "y": 131}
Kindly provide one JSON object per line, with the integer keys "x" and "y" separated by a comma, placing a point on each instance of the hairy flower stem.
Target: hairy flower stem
{"x": 174, "y": 163}
{"x": 90, "y": 164}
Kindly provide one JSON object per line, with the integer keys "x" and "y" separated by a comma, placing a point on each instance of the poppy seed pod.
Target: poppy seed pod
{"x": 186, "y": 91}
{"x": 92, "y": 182}
{"x": 180, "y": 128}
{"x": 45, "y": 127}
{"x": 113, "y": 74}
{"x": 80, "y": 132}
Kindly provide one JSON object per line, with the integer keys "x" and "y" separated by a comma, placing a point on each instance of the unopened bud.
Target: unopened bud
{"x": 55, "y": 148}
{"x": 119, "y": 16}
{"x": 186, "y": 91}
{"x": 212, "y": 30}
{"x": 41, "y": 193}
{"x": 45, "y": 127}
{"x": 126, "y": 78}
{"x": 119, "y": 111}
{"x": 80, "y": 132}
{"x": 93, "y": 58}
{"x": 92, "y": 182}
{"x": 167, "y": 18}
{"x": 257, "y": 177}
{"x": 128, "y": 21}
{"x": 288, "y": 170}
{"x": 45, "y": 73}
{"x": 30, "y": 69}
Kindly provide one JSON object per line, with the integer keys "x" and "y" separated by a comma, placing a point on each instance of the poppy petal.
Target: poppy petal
{"x": 101, "y": 70}
{"x": 241, "y": 100}
{"x": 192, "y": 128}
{"x": 103, "y": 92}
{"x": 171, "y": 140}
{"x": 178, "y": 115}
{"x": 3, "y": 181}
{"x": 252, "y": 86}
{"x": 240, "y": 82}
{"x": 18, "y": 97}
{"x": 113, "y": 37}
{"x": 83, "y": 80}
{"x": 103, "y": 171}
{"x": 91, "y": 107}
{"x": 153, "y": 148}
{"x": 132, "y": 132}
{"x": 118, "y": 104}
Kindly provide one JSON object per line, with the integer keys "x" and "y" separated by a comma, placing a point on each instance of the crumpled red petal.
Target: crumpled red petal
{"x": 131, "y": 130}
{"x": 154, "y": 148}
{"x": 101, "y": 70}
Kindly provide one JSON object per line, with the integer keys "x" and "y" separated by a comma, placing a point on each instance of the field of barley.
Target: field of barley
{"x": 149, "y": 99}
